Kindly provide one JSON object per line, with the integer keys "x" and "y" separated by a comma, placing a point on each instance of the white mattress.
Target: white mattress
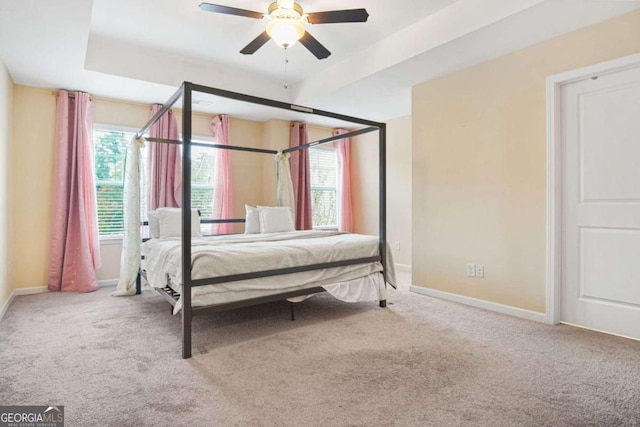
{"x": 225, "y": 255}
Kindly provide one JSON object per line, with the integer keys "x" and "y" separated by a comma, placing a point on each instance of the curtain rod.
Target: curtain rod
{"x": 136, "y": 103}
{"x": 71, "y": 94}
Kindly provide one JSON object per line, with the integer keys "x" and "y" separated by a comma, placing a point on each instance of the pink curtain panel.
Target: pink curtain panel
{"x": 223, "y": 180}
{"x": 345, "y": 214}
{"x": 301, "y": 176}
{"x": 164, "y": 164}
{"x": 74, "y": 246}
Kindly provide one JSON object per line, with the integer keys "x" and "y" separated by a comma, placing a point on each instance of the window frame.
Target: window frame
{"x": 116, "y": 239}
{"x": 328, "y": 147}
{"x": 113, "y": 239}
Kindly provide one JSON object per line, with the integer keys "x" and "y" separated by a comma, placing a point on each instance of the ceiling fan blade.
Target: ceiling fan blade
{"x": 256, "y": 44}
{"x": 314, "y": 46}
{"x": 208, "y": 7}
{"x": 337, "y": 16}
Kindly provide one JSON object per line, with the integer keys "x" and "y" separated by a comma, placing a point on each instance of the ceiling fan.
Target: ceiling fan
{"x": 286, "y": 24}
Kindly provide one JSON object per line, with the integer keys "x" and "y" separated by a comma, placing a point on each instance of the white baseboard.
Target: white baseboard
{"x": 479, "y": 303}
{"x": 30, "y": 291}
{"x": 40, "y": 290}
{"x": 403, "y": 267}
{"x": 19, "y": 292}
{"x": 109, "y": 282}
{"x": 6, "y": 305}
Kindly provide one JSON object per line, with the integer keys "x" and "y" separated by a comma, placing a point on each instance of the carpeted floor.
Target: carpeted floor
{"x": 420, "y": 362}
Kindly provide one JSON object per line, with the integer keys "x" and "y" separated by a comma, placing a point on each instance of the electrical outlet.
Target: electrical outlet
{"x": 471, "y": 270}
{"x": 397, "y": 245}
{"x": 479, "y": 270}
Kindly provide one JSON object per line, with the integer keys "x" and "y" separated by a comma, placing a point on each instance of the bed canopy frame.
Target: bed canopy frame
{"x": 185, "y": 92}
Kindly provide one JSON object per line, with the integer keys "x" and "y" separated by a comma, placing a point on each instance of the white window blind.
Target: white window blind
{"x": 110, "y": 156}
{"x": 322, "y": 165}
{"x": 202, "y": 174}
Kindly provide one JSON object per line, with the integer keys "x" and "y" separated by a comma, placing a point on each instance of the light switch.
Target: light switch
{"x": 471, "y": 270}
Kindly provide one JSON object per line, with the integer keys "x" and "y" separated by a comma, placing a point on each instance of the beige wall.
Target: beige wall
{"x": 364, "y": 183}
{"x": 32, "y": 159}
{"x": 247, "y": 167}
{"x": 33, "y": 152}
{"x": 6, "y": 96}
{"x": 364, "y": 176}
{"x": 479, "y": 159}
{"x": 399, "y": 188}
{"x": 316, "y": 133}
{"x": 275, "y": 137}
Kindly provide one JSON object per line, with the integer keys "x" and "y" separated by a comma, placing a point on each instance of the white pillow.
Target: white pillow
{"x": 252, "y": 220}
{"x": 275, "y": 219}
{"x": 154, "y": 224}
{"x": 171, "y": 222}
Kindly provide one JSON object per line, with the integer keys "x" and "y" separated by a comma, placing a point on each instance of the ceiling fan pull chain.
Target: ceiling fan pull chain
{"x": 286, "y": 61}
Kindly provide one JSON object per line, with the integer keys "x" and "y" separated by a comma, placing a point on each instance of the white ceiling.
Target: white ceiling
{"x": 141, "y": 50}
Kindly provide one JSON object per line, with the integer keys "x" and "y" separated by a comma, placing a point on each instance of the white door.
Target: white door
{"x": 601, "y": 203}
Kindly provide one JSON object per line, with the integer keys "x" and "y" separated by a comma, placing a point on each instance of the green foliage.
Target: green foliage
{"x": 110, "y": 157}
{"x": 202, "y": 165}
{"x": 110, "y": 152}
{"x": 322, "y": 165}
{"x": 323, "y": 207}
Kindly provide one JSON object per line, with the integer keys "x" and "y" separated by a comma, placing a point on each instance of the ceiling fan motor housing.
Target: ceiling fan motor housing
{"x": 286, "y": 25}
{"x": 295, "y": 12}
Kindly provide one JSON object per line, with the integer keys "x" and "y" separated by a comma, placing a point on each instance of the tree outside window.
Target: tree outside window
{"x": 110, "y": 157}
{"x": 322, "y": 165}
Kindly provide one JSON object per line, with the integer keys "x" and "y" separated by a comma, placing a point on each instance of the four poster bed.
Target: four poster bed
{"x": 200, "y": 275}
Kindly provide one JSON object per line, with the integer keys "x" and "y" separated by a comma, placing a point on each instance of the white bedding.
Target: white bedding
{"x": 234, "y": 254}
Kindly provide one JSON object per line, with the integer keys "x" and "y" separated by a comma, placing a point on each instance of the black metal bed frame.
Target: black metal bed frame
{"x": 185, "y": 92}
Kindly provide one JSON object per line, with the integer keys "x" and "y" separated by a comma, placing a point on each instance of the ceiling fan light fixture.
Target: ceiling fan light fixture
{"x": 285, "y": 32}
{"x": 286, "y": 21}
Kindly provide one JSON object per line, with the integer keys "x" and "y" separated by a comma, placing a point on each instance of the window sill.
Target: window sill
{"x": 327, "y": 228}
{"x": 110, "y": 241}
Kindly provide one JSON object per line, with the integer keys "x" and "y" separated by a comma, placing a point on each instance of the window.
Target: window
{"x": 322, "y": 165}
{"x": 110, "y": 155}
{"x": 202, "y": 167}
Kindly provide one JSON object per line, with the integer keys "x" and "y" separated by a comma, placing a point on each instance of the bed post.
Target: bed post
{"x": 187, "y": 311}
{"x": 139, "y": 282}
{"x": 383, "y": 203}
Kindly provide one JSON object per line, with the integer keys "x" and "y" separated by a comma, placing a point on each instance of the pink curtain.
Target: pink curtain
{"x": 301, "y": 176}
{"x": 345, "y": 214}
{"x": 75, "y": 246}
{"x": 222, "y": 182}
{"x": 164, "y": 163}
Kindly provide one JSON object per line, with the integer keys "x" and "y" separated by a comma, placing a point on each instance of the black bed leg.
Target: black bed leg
{"x": 186, "y": 334}
{"x": 292, "y": 312}
{"x": 187, "y": 320}
{"x": 383, "y": 303}
{"x": 138, "y": 284}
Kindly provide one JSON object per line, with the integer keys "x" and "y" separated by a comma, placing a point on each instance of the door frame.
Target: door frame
{"x": 554, "y": 172}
